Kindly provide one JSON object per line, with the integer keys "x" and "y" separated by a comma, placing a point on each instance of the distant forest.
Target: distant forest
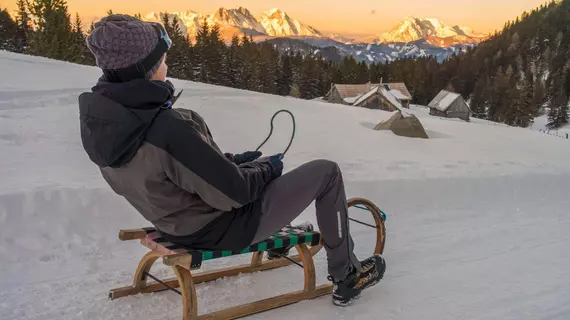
{"x": 514, "y": 76}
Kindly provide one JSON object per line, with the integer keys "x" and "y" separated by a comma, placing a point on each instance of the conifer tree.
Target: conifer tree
{"x": 309, "y": 82}
{"x": 285, "y": 78}
{"x": 78, "y": 49}
{"x": 24, "y": 26}
{"x": 178, "y": 55}
{"x": 234, "y": 63}
{"x": 269, "y": 67}
{"x": 201, "y": 63}
{"x": 53, "y": 35}
{"x": 479, "y": 101}
{"x": 558, "y": 113}
{"x": 216, "y": 50}
{"x": 23, "y": 18}
{"x": 8, "y": 32}
{"x": 524, "y": 109}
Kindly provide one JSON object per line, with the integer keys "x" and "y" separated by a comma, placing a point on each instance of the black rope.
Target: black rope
{"x": 363, "y": 223}
{"x": 271, "y": 131}
{"x": 286, "y": 257}
{"x": 161, "y": 282}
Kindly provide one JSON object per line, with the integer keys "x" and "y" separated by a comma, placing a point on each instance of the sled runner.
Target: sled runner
{"x": 183, "y": 260}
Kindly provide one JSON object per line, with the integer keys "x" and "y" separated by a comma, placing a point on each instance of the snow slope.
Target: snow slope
{"x": 540, "y": 124}
{"x": 477, "y": 226}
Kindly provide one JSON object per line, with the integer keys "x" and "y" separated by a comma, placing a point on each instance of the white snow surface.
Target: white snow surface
{"x": 477, "y": 215}
{"x": 540, "y": 124}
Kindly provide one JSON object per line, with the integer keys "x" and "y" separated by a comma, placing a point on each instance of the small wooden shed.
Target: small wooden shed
{"x": 450, "y": 105}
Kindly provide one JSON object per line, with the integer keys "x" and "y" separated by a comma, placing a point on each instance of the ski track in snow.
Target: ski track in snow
{"x": 477, "y": 216}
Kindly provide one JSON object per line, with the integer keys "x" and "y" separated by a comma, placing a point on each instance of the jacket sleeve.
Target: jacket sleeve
{"x": 198, "y": 167}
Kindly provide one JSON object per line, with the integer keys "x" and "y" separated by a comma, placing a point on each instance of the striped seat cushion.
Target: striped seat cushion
{"x": 284, "y": 238}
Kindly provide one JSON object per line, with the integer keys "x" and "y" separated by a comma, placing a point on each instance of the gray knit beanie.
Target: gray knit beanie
{"x": 119, "y": 41}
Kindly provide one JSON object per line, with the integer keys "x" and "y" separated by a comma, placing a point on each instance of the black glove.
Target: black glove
{"x": 276, "y": 165}
{"x": 247, "y": 156}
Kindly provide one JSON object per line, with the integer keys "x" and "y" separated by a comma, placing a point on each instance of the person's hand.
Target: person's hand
{"x": 276, "y": 165}
{"x": 247, "y": 156}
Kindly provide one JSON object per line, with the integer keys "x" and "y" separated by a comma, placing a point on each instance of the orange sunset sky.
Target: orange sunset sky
{"x": 353, "y": 17}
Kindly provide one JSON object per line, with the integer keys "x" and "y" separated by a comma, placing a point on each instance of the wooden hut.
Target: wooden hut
{"x": 450, "y": 105}
{"x": 378, "y": 98}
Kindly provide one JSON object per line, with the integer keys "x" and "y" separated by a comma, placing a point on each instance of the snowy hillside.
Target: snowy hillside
{"x": 477, "y": 215}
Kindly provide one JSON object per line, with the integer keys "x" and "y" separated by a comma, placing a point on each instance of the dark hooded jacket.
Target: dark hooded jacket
{"x": 165, "y": 163}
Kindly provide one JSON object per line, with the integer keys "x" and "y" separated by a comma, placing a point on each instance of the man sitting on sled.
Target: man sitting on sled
{"x": 165, "y": 163}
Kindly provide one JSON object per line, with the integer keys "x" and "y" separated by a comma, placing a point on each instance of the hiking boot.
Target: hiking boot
{"x": 273, "y": 254}
{"x": 370, "y": 273}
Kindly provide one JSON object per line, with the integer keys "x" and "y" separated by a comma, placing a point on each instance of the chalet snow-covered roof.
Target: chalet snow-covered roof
{"x": 391, "y": 98}
{"x": 353, "y": 90}
{"x": 351, "y": 100}
{"x": 443, "y": 100}
{"x": 399, "y": 95}
{"x": 365, "y": 96}
{"x": 381, "y": 91}
{"x": 400, "y": 86}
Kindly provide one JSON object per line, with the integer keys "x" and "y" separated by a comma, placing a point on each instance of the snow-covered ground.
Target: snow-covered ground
{"x": 477, "y": 228}
{"x": 540, "y": 124}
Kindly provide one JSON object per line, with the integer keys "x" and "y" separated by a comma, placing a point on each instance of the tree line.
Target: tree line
{"x": 514, "y": 76}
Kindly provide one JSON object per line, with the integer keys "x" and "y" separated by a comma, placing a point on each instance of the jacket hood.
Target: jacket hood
{"x": 115, "y": 117}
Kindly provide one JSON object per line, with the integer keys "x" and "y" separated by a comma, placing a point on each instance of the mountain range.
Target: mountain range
{"x": 412, "y": 37}
{"x": 434, "y": 31}
{"x": 273, "y": 23}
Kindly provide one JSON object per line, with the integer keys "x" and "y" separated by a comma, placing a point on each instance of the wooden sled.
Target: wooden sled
{"x": 183, "y": 260}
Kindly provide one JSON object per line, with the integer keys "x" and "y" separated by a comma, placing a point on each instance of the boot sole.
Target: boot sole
{"x": 372, "y": 284}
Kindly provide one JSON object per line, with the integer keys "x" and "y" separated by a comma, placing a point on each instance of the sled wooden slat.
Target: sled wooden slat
{"x": 268, "y": 304}
{"x": 184, "y": 260}
{"x": 132, "y": 234}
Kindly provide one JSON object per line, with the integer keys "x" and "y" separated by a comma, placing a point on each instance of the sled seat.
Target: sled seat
{"x": 284, "y": 238}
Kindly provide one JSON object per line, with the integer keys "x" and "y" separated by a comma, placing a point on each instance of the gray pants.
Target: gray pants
{"x": 288, "y": 196}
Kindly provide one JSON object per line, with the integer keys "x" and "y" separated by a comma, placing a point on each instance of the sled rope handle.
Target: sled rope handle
{"x": 271, "y": 131}
{"x": 384, "y": 216}
{"x": 289, "y": 146}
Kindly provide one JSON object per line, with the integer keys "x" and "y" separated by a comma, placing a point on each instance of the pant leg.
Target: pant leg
{"x": 288, "y": 196}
